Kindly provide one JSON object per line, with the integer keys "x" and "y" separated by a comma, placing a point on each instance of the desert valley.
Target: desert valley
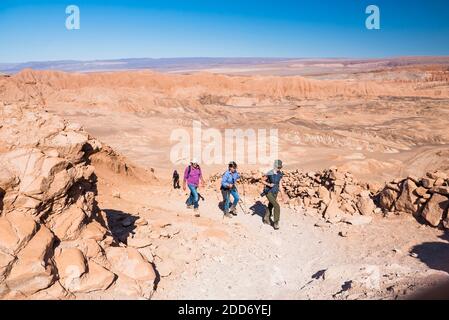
{"x": 88, "y": 210}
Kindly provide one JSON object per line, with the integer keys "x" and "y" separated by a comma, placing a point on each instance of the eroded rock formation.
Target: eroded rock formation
{"x": 54, "y": 240}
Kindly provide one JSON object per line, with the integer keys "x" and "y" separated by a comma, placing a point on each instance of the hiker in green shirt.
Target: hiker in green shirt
{"x": 273, "y": 187}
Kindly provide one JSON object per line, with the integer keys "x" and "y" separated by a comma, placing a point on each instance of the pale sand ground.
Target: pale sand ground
{"x": 241, "y": 258}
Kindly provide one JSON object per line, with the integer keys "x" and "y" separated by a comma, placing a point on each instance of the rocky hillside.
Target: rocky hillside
{"x": 54, "y": 240}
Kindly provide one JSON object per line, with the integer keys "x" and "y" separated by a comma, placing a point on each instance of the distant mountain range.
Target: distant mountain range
{"x": 163, "y": 64}
{"x": 207, "y": 64}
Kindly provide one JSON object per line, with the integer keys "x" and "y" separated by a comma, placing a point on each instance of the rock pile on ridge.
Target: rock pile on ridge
{"x": 54, "y": 240}
{"x": 334, "y": 194}
{"x": 337, "y": 195}
{"x": 426, "y": 197}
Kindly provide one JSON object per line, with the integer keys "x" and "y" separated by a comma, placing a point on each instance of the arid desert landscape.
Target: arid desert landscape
{"x": 88, "y": 210}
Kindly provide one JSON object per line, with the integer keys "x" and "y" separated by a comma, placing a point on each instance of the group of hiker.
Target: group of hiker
{"x": 193, "y": 180}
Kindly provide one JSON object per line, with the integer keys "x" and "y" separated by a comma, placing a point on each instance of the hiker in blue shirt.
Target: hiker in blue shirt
{"x": 228, "y": 188}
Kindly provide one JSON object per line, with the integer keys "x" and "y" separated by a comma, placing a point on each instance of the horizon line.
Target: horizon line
{"x": 230, "y": 57}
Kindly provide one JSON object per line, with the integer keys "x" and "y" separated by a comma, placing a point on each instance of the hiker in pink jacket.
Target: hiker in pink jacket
{"x": 192, "y": 178}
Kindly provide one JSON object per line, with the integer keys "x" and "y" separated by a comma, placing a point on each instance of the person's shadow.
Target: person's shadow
{"x": 221, "y": 205}
{"x": 434, "y": 254}
{"x": 258, "y": 209}
{"x": 121, "y": 224}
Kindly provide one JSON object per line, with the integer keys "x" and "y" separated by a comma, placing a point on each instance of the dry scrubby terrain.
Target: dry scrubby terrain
{"x": 366, "y": 180}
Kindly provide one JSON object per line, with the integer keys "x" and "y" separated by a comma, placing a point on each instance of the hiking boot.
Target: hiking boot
{"x": 276, "y": 226}
{"x": 197, "y": 212}
{"x": 189, "y": 206}
{"x": 233, "y": 210}
{"x": 228, "y": 215}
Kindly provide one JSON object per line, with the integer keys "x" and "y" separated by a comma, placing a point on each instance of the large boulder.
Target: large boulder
{"x": 71, "y": 265}
{"x": 69, "y": 144}
{"x": 444, "y": 190}
{"x": 435, "y": 209}
{"x": 387, "y": 198}
{"x": 365, "y": 204}
{"x": 333, "y": 213}
{"x": 130, "y": 262}
{"x": 33, "y": 270}
{"x": 136, "y": 276}
{"x": 69, "y": 224}
{"x": 79, "y": 275}
{"x": 407, "y": 200}
{"x": 97, "y": 279}
{"x": 16, "y": 230}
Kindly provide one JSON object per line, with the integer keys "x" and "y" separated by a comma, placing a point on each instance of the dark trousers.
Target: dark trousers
{"x": 272, "y": 198}
{"x": 176, "y": 184}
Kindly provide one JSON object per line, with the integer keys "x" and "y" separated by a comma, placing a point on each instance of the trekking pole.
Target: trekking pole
{"x": 244, "y": 208}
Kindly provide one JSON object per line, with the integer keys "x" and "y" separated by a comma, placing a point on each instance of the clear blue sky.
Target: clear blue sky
{"x": 35, "y": 30}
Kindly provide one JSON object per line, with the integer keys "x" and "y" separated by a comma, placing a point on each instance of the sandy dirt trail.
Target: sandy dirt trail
{"x": 241, "y": 258}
